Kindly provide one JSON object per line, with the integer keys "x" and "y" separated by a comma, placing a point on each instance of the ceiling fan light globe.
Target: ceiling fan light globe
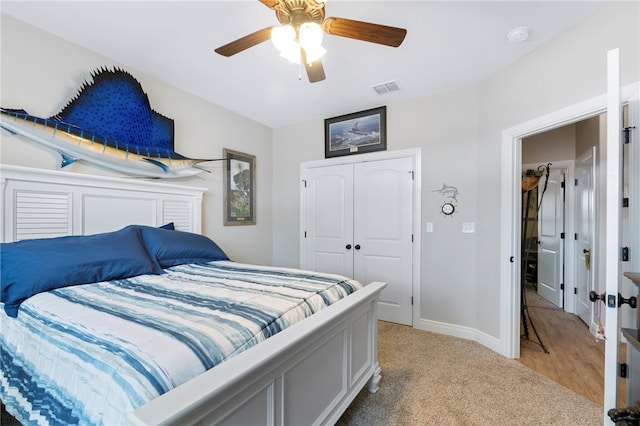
{"x": 291, "y": 53}
{"x": 310, "y": 34}
{"x": 282, "y": 37}
{"x": 314, "y": 53}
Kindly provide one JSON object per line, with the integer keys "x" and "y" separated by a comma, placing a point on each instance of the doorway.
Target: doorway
{"x": 562, "y": 228}
{"x": 510, "y": 227}
{"x": 563, "y": 224}
{"x": 582, "y": 249}
{"x": 511, "y": 212}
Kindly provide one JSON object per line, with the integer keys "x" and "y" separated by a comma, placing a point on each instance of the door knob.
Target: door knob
{"x": 357, "y": 247}
{"x": 632, "y": 301}
{"x": 348, "y": 247}
{"x": 585, "y": 250}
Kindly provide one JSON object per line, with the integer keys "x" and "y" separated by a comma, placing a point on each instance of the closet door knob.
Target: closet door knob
{"x": 357, "y": 247}
{"x": 348, "y": 247}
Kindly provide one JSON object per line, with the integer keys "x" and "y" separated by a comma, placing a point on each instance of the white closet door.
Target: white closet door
{"x": 328, "y": 210}
{"x": 382, "y": 241}
{"x": 550, "y": 242}
{"x": 585, "y": 225}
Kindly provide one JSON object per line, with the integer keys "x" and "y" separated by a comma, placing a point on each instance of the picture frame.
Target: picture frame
{"x": 239, "y": 188}
{"x": 356, "y": 133}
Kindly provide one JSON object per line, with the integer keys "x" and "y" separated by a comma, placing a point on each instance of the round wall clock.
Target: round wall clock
{"x": 448, "y": 209}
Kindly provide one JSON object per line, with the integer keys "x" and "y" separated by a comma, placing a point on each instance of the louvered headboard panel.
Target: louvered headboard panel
{"x": 41, "y": 214}
{"x": 38, "y": 203}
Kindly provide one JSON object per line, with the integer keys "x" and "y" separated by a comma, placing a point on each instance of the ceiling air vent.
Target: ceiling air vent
{"x": 390, "y": 86}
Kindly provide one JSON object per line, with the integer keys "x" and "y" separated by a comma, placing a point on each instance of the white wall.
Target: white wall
{"x": 460, "y": 133}
{"x": 40, "y": 73}
{"x": 587, "y": 135}
{"x": 555, "y": 145}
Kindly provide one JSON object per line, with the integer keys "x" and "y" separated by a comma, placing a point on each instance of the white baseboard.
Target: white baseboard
{"x": 468, "y": 333}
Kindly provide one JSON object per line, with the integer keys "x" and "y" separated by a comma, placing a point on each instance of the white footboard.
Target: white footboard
{"x": 307, "y": 374}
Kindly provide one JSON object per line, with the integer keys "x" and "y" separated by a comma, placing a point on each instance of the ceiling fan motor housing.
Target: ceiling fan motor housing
{"x": 297, "y": 12}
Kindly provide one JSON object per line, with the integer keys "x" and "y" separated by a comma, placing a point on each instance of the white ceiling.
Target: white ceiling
{"x": 449, "y": 45}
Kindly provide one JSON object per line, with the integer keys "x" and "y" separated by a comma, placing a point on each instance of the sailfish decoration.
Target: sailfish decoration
{"x": 110, "y": 123}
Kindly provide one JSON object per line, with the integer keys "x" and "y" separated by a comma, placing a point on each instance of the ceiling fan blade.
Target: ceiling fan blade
{"x": 365, "y": 31}
{"x": 315, "y": 71}
{"x": 245, "y": 42}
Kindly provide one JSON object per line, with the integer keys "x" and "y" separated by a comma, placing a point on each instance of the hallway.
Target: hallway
{"x": 575, "y": 359}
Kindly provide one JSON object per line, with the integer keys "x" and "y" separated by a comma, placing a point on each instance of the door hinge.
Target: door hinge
{"x": 575, "y": 237}
{"x": 562, "y": 235}
{"x": 575, "y": 290}
{"x": 412, "y": 175}
{"x": 622, "y": 370}
{"x": 305, "y": 182}
{"x": 627, "y": 131}
{"x": 411, "y": 300}
{"x": 625, "y": 202}
{"x": 411, "y": 237}
{"x": 562, "y": 286}
{"x": 576, "y": 182}
{"x": 305, "y": 234}
{"x": 562, "y": 184}
{"x": 624, "y": 254}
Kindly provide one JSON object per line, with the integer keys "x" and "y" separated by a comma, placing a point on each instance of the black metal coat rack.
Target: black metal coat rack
{"x": 524, "y": 309}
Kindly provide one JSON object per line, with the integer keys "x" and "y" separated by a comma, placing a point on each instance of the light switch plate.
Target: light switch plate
{"x": 429, "y": 226}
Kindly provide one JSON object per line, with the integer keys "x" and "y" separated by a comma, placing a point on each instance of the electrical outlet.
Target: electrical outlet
{"x": 468, "y": 227}
{"x": 429, "y": 226}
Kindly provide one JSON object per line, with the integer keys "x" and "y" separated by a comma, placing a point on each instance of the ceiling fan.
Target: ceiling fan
{"x": 300, "y": 36}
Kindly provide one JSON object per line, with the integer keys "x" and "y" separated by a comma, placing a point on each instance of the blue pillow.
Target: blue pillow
{"x": 169, "y": 225}
{"x": 30, "y": 267}
{"x": 171, "y": 248}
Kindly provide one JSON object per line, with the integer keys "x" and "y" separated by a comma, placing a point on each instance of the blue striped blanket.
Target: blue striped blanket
{"x": 90, "y": 354}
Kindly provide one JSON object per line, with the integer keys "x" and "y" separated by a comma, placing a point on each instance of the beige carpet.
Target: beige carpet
{"x": 432, "y": 379}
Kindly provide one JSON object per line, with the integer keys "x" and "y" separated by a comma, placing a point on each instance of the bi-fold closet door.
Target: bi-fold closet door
{"x": 357, "y": 221}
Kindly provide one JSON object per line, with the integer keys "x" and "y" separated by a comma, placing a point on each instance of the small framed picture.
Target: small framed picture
{"x": 356, "y": 133}
{"x": 240, "y": 188}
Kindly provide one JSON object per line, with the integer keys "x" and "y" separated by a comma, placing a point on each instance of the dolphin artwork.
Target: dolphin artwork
{"x": 109, "y": 123}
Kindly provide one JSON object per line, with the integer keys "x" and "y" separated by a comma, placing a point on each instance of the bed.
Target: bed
{"x": 286, "y": 347}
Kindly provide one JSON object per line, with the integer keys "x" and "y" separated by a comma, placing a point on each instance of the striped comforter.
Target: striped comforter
{"x": 89, "y": 354}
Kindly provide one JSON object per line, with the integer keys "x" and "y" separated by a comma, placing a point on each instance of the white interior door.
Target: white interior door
{"x": 550, "y": 242}
{"x": 328, "y": 211}
{"x": 357, "y": 221}
{"x": 585, "y": 231}
{"x": 383, "y": 227}
{"x": 612, "y": 232}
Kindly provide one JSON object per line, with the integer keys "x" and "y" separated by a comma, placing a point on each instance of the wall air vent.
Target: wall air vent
{"x": 390, "y": 86}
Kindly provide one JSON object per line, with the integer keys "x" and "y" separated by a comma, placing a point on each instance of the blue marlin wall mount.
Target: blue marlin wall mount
{"x": 110, "y": 123}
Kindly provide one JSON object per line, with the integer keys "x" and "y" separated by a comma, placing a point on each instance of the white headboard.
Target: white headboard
{"x": 38, "y": 203}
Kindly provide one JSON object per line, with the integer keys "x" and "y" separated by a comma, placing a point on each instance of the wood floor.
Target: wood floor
{"x": 575, "y": 358}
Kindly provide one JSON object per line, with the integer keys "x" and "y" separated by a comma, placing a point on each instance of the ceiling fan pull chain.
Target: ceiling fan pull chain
{"x": 300, "y": 71}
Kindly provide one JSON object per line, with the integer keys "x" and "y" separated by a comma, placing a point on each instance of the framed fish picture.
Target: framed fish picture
{"x": 240, "y": 188}
{"x": 356, "y": 133}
